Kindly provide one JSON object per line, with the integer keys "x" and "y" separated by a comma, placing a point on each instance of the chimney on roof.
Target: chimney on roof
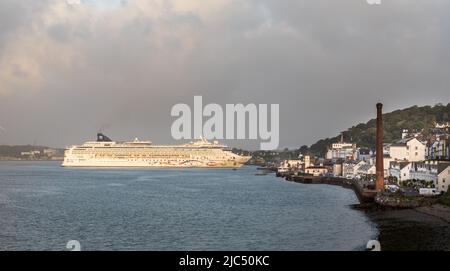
{"x": 379, "y": 184}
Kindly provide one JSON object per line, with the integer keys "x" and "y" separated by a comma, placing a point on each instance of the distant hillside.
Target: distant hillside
{"x": 413, "y": 118}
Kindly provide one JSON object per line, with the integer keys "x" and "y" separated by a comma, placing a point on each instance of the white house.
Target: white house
{"x": 411, "y": 150}
{"x": 316, "y": 170}
{"x": 438, "y": 172}
{"x": 337, "y": 169}
{"x": 386, "y": 164}
{"x": 350, "y": 168}
{"x": 400, "y": 170}
{"x": 443, "y": 126}
{"x": 443, "y": 179}
{"x": 296, "y": 164}
{"x": 363, "y": 154}
{"x": 367, "y": 169}
{"x": 439, "y": 149}
{"x": 426, "y": 171}
{"x": 291, "y": 163}
{"x": 341, "y": 150}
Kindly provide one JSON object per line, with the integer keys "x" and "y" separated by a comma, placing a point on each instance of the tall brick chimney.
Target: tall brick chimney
{"x": 379, "y": 184}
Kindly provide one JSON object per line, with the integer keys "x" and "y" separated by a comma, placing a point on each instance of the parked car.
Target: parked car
{"x": 428, "y": 192}
{"x": 392, "y": 188}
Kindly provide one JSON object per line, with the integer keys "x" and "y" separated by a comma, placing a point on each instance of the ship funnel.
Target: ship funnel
{"x": 102, "y": 138}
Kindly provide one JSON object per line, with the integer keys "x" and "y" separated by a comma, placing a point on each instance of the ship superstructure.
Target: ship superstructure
{"x": 107, "y": 153}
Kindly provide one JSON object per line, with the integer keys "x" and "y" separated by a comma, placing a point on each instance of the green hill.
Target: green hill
{"x": 414, "y": 119}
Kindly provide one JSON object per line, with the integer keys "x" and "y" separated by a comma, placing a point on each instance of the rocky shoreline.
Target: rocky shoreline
{"x": 423, "y": 228}
{"x": 436, "y": 210}
{"x": 404, "y": 223}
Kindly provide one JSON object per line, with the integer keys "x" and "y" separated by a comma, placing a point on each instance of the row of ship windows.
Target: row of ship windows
{"x": 149, "y": 154}
{"x": 161, "y": 158}
{"x": 146, "y": 153}
{"x": 142, "y": 150}
{"x": 139, "y": 152}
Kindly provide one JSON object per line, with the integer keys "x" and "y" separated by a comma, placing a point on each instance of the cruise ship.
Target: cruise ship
{"x": 107, "y": 153}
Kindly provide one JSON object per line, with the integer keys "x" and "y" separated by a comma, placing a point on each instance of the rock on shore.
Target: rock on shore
{"x": 400, "y": 201}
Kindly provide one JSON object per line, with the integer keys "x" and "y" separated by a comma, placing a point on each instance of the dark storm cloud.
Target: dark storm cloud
{"x": 120, "y": 70}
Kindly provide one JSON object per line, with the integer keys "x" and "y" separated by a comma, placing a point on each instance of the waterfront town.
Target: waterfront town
{"x": 407, "y": 173}
{"x": 416, "y": 160}
{"x": 413, "y": 172}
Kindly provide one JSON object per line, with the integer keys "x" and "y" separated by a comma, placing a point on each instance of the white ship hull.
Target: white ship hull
{"x": 138, "y": 154}
{"x": 143, "y": 163}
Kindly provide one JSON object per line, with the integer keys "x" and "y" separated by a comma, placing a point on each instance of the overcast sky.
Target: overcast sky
{"x": 69, "y": 71}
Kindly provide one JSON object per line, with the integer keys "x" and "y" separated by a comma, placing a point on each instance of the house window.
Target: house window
{"x": 417, "y": 153}
{"x": 417, "y": 148}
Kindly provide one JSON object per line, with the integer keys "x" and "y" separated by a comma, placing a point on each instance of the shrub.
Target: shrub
{"x": 445, "y": 199}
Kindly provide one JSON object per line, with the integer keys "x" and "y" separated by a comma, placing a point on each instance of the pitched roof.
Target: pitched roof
{"x": 403, "y": 164}
{"x": 366, "y": 167}
{"x": 442, "y": 167}
{"x": 398, "y": 144}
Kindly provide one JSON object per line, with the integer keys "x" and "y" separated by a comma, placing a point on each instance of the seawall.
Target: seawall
{"x": 364, "y": 195}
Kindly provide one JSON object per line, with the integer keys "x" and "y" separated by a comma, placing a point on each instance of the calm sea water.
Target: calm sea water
{"x": 42, "y": 206}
